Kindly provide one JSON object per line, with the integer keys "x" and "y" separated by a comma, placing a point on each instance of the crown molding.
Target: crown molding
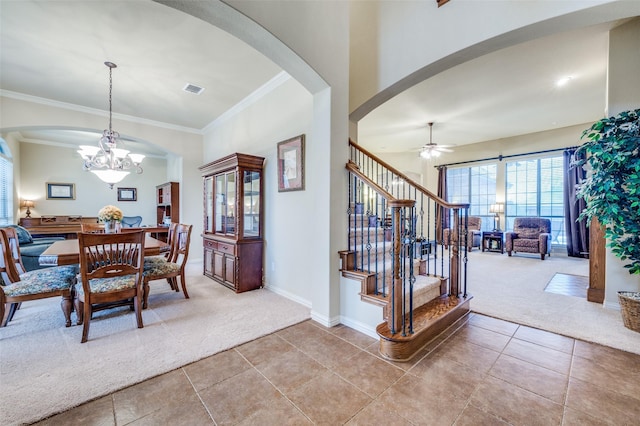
{"x": 94, "y": 111}
{"x": 280, "y": 78}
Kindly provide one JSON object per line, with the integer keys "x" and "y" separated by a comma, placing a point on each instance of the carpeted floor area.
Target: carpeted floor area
{"x": 513, "y": 289}
{"x": 45, "y": 369}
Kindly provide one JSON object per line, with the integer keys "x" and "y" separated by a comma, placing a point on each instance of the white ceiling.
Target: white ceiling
{"x": 56, "y": 49}
{"x": 506, "y": 93}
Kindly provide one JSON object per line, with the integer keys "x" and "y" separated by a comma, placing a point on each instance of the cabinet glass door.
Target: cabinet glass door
{"x": 251, "y": 204}
{"x": 225, "y": 194}
{"x": 230, "y": 224}
{"x": 220, "y": 208}
{"x": 208, "y": 204}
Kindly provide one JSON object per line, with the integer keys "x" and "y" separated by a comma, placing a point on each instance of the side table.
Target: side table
{"x": 493, "y": 241}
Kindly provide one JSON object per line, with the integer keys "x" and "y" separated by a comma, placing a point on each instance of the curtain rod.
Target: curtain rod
{"x": 501, "y": 157}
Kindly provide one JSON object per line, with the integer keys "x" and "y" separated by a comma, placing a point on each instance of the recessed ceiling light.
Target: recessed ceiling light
{"x": 564, "y": 80}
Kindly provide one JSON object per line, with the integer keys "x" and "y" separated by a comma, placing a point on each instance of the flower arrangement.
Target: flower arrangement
{"x": 108, "y": 213}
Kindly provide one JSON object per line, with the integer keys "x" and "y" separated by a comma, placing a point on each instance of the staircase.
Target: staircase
{"x": 395, "y": 249}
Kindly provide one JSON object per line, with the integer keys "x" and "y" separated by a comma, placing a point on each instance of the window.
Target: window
{"x": 476, "y": 186}
{"x": 6, "y": 185}
{"x": 535, "y": 188}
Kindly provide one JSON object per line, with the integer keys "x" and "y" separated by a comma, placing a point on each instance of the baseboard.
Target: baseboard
{"x": 325, "y": 320}
{"x": 288, "y": 295}
{"x": 612, "y": 305}
{"x": 361, "y": 327}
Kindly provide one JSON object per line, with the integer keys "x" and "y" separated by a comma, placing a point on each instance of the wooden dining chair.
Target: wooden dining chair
{"x": 111, "y": 267}
{"x": 95, "y": 228}
{"x": 151, "y": 261}
{"x": 20, "y": 286}
{"x": 174, "y": 265}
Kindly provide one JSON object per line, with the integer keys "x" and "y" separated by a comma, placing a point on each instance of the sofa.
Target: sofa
{"x": 31, "y": 248}
{"x": 529, "y": 235}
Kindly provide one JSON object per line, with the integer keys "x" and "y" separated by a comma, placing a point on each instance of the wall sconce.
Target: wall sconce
{"x": 28, "y": 204}
{"x": 496, "y": 208}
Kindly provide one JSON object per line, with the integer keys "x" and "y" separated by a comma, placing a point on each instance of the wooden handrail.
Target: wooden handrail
{"x": 353, "y": 168}
{"x": 419, "y": 187}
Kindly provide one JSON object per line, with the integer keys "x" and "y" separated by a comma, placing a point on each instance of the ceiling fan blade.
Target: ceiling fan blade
{"x": 443, "y": 149}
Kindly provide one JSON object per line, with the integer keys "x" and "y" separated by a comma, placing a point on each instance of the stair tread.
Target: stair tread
{"x": 425, "y": 316}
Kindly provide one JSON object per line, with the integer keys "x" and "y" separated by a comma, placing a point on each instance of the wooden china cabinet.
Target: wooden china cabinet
{"x": 233, "y": 221}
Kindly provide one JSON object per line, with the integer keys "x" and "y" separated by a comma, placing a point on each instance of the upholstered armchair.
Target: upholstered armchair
{"x": 474, "y": 235}
{"x": 529, "y": 235}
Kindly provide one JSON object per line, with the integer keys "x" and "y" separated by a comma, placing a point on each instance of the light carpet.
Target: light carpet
{"x": 512, "y": 288}
{"x": 44, "y": 369}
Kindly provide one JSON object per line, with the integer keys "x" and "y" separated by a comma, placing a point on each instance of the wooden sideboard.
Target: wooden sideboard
{"x": 69, "y": 226}
{"x": 64, "y": 226}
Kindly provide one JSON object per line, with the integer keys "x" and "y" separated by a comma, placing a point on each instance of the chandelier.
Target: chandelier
{"x": 110, "y": 163}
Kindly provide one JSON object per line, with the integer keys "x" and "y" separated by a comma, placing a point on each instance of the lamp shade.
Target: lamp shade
{"x": 496, "y": 208}
{"x": 27, "y": 203}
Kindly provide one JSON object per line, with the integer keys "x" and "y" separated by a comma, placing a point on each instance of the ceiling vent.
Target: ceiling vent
{"x": 192, "y": 88}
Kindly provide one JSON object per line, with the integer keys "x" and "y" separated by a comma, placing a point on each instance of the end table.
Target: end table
{"x": 493, "y": 241}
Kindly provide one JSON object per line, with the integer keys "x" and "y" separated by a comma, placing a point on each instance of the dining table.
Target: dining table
{"x": 67, "y": 252}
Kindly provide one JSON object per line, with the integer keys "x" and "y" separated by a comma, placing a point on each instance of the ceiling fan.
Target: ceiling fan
{"x": 431, "y": 149}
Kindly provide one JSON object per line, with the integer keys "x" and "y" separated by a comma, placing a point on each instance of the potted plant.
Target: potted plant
{"x": 612, "y": 189}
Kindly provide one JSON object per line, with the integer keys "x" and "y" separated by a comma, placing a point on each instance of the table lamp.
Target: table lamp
{"x": 496, "y": 208}
{"x": 28, "y": 204}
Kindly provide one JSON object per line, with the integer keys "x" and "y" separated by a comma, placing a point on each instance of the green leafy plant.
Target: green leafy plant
{"x": 612, "y": 188}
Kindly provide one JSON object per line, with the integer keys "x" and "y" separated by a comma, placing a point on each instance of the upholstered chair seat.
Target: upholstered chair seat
{"x": 106, "y": 285}
{"x": 42, "y": 281}
{"x": 152, "y": 261}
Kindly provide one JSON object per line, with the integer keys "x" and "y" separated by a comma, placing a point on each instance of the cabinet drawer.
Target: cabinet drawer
{"x": 210, "y": 244}
{"x": 227, "y": 248}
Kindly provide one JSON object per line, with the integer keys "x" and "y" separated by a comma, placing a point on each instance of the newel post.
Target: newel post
{"x": 454, "y": 262}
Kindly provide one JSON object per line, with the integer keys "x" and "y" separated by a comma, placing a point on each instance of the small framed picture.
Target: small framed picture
{"x": 61, "y": 191}
{"x": 127, "y": 194}
{"x": 291, "y": 164}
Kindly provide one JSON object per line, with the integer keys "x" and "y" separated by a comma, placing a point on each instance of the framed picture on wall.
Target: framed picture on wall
{"x": 291, "y": 164}
{"x": 61, "y": 191}
{"x": 127, "y": 194}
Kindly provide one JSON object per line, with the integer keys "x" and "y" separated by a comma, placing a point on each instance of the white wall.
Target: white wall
{"x": 184, "y": 158}
{"x": 623, "y": 94}
{"x": 290, "y": 221}
{"x": 318, "y": 32}
{"x": 46, "y": 163}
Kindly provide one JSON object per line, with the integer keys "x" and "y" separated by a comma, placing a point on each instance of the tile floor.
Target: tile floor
{"x": 569, "y": 285}
{"x": 486, "y": 372}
